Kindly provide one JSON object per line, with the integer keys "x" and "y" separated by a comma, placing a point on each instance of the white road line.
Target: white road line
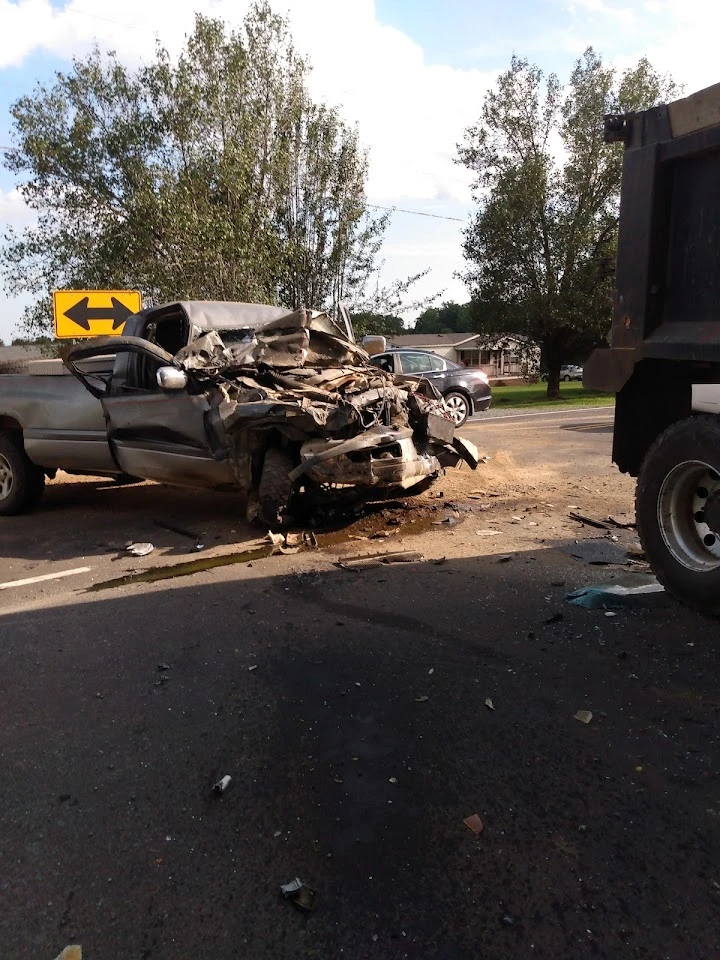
{"x": 579, "y": 413}
{"x": 46, "y": 576}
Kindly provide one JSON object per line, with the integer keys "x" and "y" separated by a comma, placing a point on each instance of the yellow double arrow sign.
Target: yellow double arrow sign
{"x": 93, "y": 313}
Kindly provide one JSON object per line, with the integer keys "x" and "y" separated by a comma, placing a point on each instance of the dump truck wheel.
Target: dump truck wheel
{"x": 677, "y": 506}
{"x": 276, "y": 487}
{"x": 21, "y": 481}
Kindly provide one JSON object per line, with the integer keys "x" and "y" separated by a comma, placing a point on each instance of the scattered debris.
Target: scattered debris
{"x": 431, "y": 671}
{"x": 505, "y": 559}
{"x": 162, "y": 680}
{"x": 253, "y": 667}
{"x": 439, "y": 561}
{"x": 598, "y": 551}
{"x": 555, "y": 618}
{"x": 139, "y": 549}
{"x": 488, "y": 533}
{"x": 421, "y": 699}
{"x": 625, "y": 521}
{"x": 392, "y": 780}
{"x": 447, "y": 521}
{"x": 300, "y": 895}
{"x": 73, "y": 952}
{"x": 382, "y": 534}
{"x": 584, "y": 716}
{"x": 635, "y": 550}
{"x": 489, "y": 704}
{"x": 507, "y": 920}
{"x": 309, "y": 539}
{"x": 588, "y": 521}
{"x": 630, "y": 590}
{"x": 610, "y": 613}
{"x": 162, "y": 667}
{"x": 376, "y": 559}
{"x": 221, "y": 786}
{"x": 474, "y": 823}
{"x": 283, "y": 543}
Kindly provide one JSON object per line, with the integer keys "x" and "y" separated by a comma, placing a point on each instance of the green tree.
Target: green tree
{"x": 366, "y": 323}
{"x": 449, "y": 318}
{"x": 213, "y": 176}
{"x": 547, "y": 189}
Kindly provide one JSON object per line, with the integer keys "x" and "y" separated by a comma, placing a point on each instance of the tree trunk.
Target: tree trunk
{"x": 554, "y": 362}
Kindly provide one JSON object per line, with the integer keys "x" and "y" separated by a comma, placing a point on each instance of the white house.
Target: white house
{"x": 505, "y": 356}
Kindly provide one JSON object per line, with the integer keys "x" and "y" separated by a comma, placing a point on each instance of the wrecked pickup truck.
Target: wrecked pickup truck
{"x": 225, "y": 396}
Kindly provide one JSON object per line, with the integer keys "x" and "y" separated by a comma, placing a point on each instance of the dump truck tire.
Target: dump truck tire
{"x": 677, "y": 506}
{"x": 276, "y": 487}
{"x": 21, "y": 481}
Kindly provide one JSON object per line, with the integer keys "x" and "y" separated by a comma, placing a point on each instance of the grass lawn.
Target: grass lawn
{"x": 535, "y": 395}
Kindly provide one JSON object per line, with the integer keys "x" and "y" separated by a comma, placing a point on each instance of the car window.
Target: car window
{"x": 414, "y": 363}
{"x": 384, "y": 361}
{"x": 436, "y": 363}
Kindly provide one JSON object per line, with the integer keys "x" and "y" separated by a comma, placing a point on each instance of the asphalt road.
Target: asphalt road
{"x": 349, "y": 708}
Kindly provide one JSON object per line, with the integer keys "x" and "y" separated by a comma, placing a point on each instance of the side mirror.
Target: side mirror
{"x": 170, "y": 378}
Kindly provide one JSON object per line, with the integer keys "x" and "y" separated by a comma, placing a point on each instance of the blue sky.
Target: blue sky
{"x": 411, "y": 73}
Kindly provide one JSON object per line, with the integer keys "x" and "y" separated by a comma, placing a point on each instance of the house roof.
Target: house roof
{"x": 430, "y": 339}
{"x": 467, "y": 340}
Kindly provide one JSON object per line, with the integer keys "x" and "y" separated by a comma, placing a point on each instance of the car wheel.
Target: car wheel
{"x": 567, "y": 378}
{"x": 21, "y": 481}
{"x": 275, "y": 488}
{"x": 678, "y": 511}
{"x": 459, "y": 407}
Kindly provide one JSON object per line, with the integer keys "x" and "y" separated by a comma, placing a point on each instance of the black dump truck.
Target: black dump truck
{"x": 664, "y": 356}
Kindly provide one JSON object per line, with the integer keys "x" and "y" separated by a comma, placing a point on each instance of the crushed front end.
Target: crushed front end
{"x": 300, "y": 387}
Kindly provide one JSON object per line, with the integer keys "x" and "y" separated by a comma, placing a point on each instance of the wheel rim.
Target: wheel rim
{"x": 689, "y": 515}
{"x": 458, "y": 408}
{"x": 6, "y": 477}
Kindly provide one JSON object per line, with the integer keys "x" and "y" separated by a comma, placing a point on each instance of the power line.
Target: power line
{"x": 416, "y": 213}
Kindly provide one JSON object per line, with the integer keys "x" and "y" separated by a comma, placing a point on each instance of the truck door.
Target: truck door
{"x": 155, "y": 433}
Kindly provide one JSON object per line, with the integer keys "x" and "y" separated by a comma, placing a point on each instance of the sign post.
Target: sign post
{"x": 93, "y": 313}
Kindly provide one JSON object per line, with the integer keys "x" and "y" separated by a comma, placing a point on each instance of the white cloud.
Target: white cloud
{"x": 13, "y": 211}
{"x": 409, "y": 113}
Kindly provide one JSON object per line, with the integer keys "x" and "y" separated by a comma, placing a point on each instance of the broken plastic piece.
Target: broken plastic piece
{"x": 139, "y": 549}
{"x": 633, "y": 590}
{"x": 584, "y": 716}
{"x": 221, "y": 786}
{"x": 489, "y": 704}
{"x": 421, "y": 699}
{"x": 301, "y": 895}
{"x": 474, "y": 823}
{"x": 488, "y": 533}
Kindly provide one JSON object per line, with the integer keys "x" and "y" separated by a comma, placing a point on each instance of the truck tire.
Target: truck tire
{"x": 677, "y": 506}
{"x": 275, "y": 487}
{"x": 21, "y": 481}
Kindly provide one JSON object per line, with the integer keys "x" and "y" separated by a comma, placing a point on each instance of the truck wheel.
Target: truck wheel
{"x": 678, "y": 511}
{"x": 459, "y": 407}
{"x": 276, "y": 487}
{"x": 21, "y": 482}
